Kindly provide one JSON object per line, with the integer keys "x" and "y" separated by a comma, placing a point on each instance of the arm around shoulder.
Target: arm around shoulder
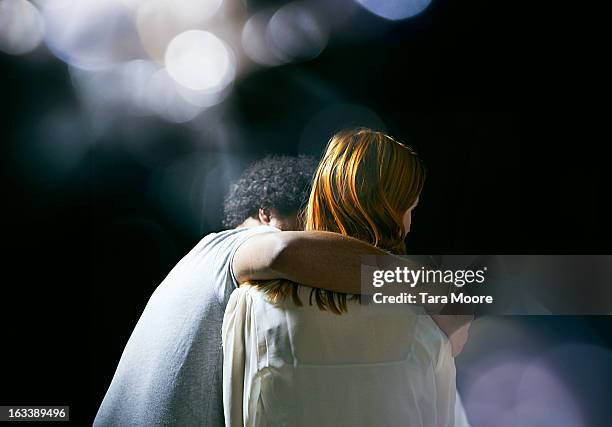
{"x": 314, "y": 258}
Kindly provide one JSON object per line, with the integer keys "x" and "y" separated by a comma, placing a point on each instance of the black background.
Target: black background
{"x": 492, "y": 94}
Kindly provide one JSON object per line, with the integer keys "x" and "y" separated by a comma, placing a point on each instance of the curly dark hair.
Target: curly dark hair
{"x": 274, "y": 182}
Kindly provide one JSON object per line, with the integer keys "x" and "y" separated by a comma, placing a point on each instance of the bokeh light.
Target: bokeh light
{"x": 123, "y": 87}
{"x": 167, "y": 102}
{"x": 156, "y": 26}
{"x": 92, "y": 34}
{"x": 140, "y": 88}
{"x": 135, "y": 80}
{"x": 587, "y": 369}
{"x": 159, "y": 21}
{"x": 194, "y": 11}
{"x": 516, "y": 392}
{"x": 296, "y": 32}
{"x": 188, "y": 11}
{"x": 543, "y": 400}
{"x": 200, "y": 61}
{"x": 202, "y": 99}
{"x": 395, "y": 9}
{"x": 254, "y": 40}
{"x": 514, "y": 373}
{"x": 21, "y": 27}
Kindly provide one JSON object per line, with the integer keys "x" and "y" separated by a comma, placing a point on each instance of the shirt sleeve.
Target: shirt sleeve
{"x": 225, "y": 280}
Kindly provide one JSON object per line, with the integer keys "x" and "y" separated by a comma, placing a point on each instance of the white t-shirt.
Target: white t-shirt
{"x": 299, "y": 366}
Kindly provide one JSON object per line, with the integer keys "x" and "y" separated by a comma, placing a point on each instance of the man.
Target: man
{"x": 170, "y": 370}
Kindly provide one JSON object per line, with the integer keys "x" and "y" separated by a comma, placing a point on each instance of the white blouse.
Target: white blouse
{"x": 293, "y": 366}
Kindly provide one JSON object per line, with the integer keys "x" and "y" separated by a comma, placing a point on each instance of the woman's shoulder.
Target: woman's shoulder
{"x": 240, "y": 298}
{"x": 246, "y": 294}
{"x": 249, "y": 290}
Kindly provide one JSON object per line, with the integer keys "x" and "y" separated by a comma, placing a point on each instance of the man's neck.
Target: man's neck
{"x": 250, "y": 222}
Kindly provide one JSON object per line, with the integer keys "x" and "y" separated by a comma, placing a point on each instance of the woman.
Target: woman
{"x": 296, "y": 356}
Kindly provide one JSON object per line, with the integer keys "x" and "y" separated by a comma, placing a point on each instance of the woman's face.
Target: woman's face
{"x": 407, "y": 219}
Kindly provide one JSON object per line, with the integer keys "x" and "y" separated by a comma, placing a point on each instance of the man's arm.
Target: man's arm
{"x": 325, "y": 260}
{"x": 318, "y": 259}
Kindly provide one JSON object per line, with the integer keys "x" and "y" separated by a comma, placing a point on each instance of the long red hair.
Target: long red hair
{"x": 363, "y": 185}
